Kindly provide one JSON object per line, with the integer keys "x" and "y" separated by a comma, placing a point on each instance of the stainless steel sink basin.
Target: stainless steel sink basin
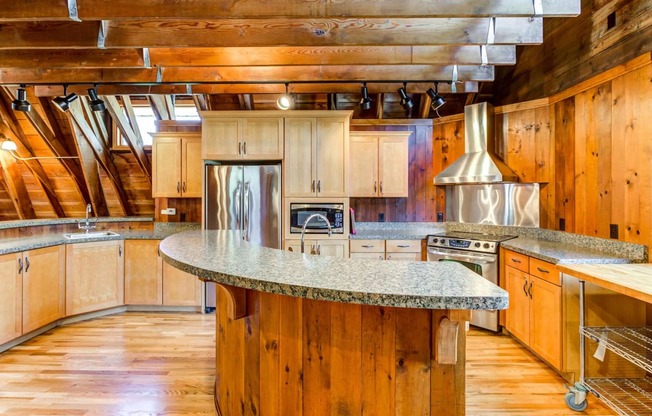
{"x": 94, "y": 234}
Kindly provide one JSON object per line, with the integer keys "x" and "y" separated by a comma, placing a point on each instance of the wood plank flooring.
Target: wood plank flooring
{"x": 141, "y": 364}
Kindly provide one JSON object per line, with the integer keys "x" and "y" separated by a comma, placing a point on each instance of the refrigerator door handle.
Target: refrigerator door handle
{"x": 246, "y": 212}
{"x": 238, "y": 205}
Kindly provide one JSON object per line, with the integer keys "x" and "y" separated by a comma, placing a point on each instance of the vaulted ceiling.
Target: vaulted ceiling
{"x": 252, "y": 48}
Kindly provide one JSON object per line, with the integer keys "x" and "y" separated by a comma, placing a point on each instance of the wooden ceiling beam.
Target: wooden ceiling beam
{"x": 251, "y": 74}
{"x": 278, "y": 88}
{"x": 267, "y": 56}
{"x": 274, "y": 32}
{"x": 202, "y": 9}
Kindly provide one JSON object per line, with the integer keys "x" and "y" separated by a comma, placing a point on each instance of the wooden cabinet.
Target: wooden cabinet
{"x": 316, "y": 156}
{"x": 398, "y": 250}
{"x": 534, "y": 314}
{"x": 44, "y": 287}
{"x": 143, "y": 273}
{"x": 176, "y": 165}
{"x": 324, "y": 247}
{"x": 94, "y": 276}
{"x": 180, "y": 288}
{"x": 379, "y": 164}
{"x": 11, "y": 297}
{"x": 227, "y": 135}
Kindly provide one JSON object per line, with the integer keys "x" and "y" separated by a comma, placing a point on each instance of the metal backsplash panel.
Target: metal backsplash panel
{"x": 497, "y": 204}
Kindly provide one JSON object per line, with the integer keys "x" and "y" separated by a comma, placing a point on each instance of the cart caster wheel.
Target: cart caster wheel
{"x": 569, "y": 398}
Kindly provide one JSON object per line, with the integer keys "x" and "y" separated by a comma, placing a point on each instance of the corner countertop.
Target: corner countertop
{"x": 558, "y": 252}
{"x": 223, "y": 257}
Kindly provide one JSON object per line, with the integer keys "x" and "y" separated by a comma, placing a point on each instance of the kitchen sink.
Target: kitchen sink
{"x": 94, "y": 234}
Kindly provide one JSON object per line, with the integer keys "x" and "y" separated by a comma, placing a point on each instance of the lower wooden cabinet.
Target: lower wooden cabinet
{"x": 44, "y": 287}
{"x": 332, "y": 247}
{"x": 180, "y": 288}
{"x": 94, "y": 276}
{"x": 398, "y": 250}
{"x": 535, "y": 312}
{"x": 11, "y": 297}
{"x": 143, "y": 273}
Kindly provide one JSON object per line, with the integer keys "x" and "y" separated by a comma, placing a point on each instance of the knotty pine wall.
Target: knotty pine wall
{"x": 590, "y": 148}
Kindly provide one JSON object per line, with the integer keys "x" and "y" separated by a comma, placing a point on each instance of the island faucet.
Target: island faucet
{"x": 305, "y": 224}
{"x": 87, "y": 224}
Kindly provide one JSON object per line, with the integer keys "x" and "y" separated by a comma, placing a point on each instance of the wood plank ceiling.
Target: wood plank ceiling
{"x": 239, "y": 52}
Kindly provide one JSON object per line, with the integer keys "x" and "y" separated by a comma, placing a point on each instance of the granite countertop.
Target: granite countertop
{"x": 558, "y": 252}
{"x": 222, "y": 256}
{"x": 56, "y": 221}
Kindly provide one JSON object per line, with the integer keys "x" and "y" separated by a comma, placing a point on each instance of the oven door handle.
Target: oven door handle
{"x": 464, "y": 257}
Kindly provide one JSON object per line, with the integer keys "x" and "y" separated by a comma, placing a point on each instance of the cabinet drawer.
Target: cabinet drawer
{"x": 367, "y": 246}
{"x": 517, "y": 260}
{"x": 544, "y": 270}
{"x": 403, "y": 246}
{"x": 404, "y": 256}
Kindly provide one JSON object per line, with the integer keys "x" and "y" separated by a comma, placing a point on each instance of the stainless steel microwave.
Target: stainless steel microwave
{"x": 300, "y": 212}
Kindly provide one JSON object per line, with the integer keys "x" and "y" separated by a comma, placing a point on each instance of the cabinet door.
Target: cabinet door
{"x": 393, "y": 167}
{"x": 143, "y": 279}
{"x": 333, "y": 248}
{"x": 545, "y": 320}
{"x": 166, "y": 167}
{"x": 221, "y": 138}
{"x": 94, "y": 276}
{"x": 263, "y": 138}
{"x": 332, "y": 157}
{"x": 180, "y": 288}
{"x": 518, "y": 314}
{"x": 364, "y": 166}
{"x": 300, "y": 139}
{"x": 295, "y": 246}
{"x": 44, "y": 287}
{"x": 192, "y": 168}
{"x": 10, "y": 297}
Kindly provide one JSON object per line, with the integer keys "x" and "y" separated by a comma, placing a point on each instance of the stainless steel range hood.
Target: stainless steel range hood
{"x": 478, "y": 164}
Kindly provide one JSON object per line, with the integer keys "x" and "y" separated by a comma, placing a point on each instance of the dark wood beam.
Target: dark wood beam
{"x": 252, "y": 74}
{"x": 130, "y": 132}
{"x": 202, "y": 9}
{"x": 274, "y": 32}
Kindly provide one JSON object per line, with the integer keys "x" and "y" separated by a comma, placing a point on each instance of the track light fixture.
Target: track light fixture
{"x": 436, "y": 99}
{"x": 365, "y": 101}
{"x": 21, "y": 103}
{"x": 63, "y": 103}
{"x": 96, "y": 103}
{"x": 285, "y": 101}
{"x": 406, "y": 100}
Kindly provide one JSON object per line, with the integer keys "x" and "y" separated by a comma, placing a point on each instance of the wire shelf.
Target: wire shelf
{"x": 626, "y": 396}
{"x": 633, "y": 344}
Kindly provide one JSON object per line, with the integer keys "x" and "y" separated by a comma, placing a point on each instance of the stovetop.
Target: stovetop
{"x": 486, "y": 243}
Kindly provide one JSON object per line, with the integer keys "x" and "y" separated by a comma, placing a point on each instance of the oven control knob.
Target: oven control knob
{"x": 434, "y": 241}
{"x": 477, "y": 244}
{"x": 486, "y": 245}
{"x": 443, "y": 241}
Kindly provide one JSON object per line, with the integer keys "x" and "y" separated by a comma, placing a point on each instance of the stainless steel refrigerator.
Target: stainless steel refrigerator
{"x": 245, "y": 198}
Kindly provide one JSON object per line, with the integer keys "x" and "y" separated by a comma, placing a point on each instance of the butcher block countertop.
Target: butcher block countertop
{"x": 634, "y": 280}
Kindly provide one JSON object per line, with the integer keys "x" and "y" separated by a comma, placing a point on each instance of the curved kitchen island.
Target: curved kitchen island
{"x": 309, "y": 335}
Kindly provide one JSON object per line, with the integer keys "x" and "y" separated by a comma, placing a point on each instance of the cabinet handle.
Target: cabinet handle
{"x": 20, "y": 266}
{"x": 529, "y": 290}
{"x": 244, "y": 147}
{"x": 375, "y": 186}
{"x": 381, "y": 187}
{"x": 178, "y": 187}
{"x": 319, "y": 186}
{"x": 184, "y": 187}
{"x": 516, "y": 260}
{"x": 26, "y": 264}
{"x": 319, "y": 250}
{"x": 367, "y": 246}
{"x": 313, "y": 186}
{"x": 239, "y": 148}
{"x": 543, "y": 270}
{"x": 403, "y": 246}
{"x": 525, "y": 287}
{"x": 119, "y": 250}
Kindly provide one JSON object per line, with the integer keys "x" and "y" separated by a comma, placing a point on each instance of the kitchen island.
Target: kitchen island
{"x": 309, "y": 335}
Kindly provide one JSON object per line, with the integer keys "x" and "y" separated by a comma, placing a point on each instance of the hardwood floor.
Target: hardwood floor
{"x": 163, "y": 364}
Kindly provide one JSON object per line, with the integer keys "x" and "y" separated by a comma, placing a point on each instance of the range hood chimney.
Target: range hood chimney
{"x": 478, "y": 164}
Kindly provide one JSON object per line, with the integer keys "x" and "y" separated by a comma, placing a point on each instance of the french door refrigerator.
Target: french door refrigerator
{"x": 246, "y": 198}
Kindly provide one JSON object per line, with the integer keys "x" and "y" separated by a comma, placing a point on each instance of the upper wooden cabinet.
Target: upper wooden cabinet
{"x": 316, "y": 155}
{"x": 379, "y": 164}
{"x": 177, "y": 165}
{"x": 228, "y": 135}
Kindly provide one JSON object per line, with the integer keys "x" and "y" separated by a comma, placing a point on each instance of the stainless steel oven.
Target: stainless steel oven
{"x": 477, "y": 252}
{"x": 299, "y": 213}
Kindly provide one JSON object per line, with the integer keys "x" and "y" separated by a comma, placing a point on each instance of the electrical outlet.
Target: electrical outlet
{"x": 381, "y": 217}
{"x": 169, "y": 211}
{"x": 613, "y": 231}
{"x": 440, "y": 217}
{"x": 562, "y": 224}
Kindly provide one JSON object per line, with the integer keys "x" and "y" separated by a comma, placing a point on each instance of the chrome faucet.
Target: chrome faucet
{"x": 87, "y": 224}
{"x": 305, "y": 224}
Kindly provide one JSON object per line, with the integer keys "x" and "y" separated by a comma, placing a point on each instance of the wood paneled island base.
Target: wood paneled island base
{"x": 296, "y": 356}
